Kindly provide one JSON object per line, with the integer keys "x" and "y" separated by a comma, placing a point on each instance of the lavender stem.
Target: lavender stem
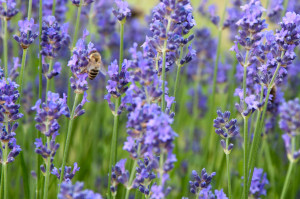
{"x": 46, "y": 185}
{"x": 67, "y": 143}
{"x": 288, "y": 176}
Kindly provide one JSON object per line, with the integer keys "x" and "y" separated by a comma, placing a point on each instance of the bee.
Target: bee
{"x": 95, "y": 65}
{"x": 273, "y": 92}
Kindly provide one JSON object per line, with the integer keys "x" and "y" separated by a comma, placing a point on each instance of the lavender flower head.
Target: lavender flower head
{"x": 258, "y": 183}
{"x": 121, "y": 11}
{"x": 226, "y": 128}
{"x": 9, "y": 10}
{"x": 68, "y": 190}
{"x": 200, "y": 182}
{"x": 117, "y": 83}
{"x": 9, "y": 114}
{"x": 145, "y": 175}
{"x": 171, "y": 21}
{"x": 47, "y": 113}
{"x": 53, "y": 36}
{"x": 27, "y": 33}
{"x": 289, "y": 113}
{"x": 47, "y": 150}
{"x": 119, "y": 175}
{"x": 69, "y": 173}
{"x": 292, "y": 154}
{"x": 79, "y": 62}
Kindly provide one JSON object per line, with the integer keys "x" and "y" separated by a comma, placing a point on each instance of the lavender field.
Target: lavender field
{"x": 149, "y": 99}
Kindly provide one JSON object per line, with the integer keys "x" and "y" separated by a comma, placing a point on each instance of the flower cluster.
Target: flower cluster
{"x": 258, "y": 183}
{"x": 226, "y": 128}
{"x": 289, "y": 113}
{"x": 68, "y": 190}
{"x": 79, "y": 62}
{"x": 9, "y": 114}
{"x": 69, "y": 173}
{"x": 47, "y": 150}
{"x": 9, "y": 10}
{"x": 9, "y": 109}
{"x": 200, "y": 182}
{"x": 171, "y": 21}
{"x": 145, "y": 175}
{"x": 47, "y": 113}
{"x": 54, "y": 72}
{"x": 53, "y": 36}
{"x": 27, "y": 33}
{"x": 119, "y": 175}
{"x": 117, "y": 84}
{"x": 121, "y": 11}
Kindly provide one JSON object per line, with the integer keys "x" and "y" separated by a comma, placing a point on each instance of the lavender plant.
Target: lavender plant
{"x": 133, "y": 142}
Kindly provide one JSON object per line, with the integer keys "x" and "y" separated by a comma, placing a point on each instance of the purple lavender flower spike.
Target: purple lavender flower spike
{"x": 258, "y": 183}
{"x": 181, "y": 22}
{"x": 289, "y": 113}
{"x": 47, "y": 151}
{"x": 68, "y": 190}
{"x": 78, "y": 64}
{"x": 226, "y": 128}
{"x": 117, "y": 83}
{"x": 68, "y": 174}
{"x": 47, "y": 113}
{"x": 11, "y": 10}
{"x": 53, "y": 37}
{"x": 119, "y": 175}
{"x": 121, "y": 11}
{"x": 28, "y": 33}
{"x": 200, "y": 182}
{"x": 157, "y": 192}
{"x": 145, "y": 175}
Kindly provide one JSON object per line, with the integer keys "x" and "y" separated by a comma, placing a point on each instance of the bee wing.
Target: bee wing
{"x": 102, "y": 69}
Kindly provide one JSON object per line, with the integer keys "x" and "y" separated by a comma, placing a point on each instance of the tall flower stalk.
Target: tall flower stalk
{"x": 285, "y": 40}
{"x": 227, "y": 129}
{"x": 214, "y": 86}
{"x": 121, "y": 12}
{"x": 78, "y": 63}
{"x": 9, "y": 115}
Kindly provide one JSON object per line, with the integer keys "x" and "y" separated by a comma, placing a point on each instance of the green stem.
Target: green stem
{"x": 177, "y": 76}
{"x": 53, "y": 7}
{"x": 114, "y": 140}
{"x": 29, "y": 9}
{"x": 2, "y": 178}
{"x": 48, "y": 80}
{"x": 132, "y": 174}
{"x": 259, "y": 127}
{"x": 122, "y": 23}
{"x": 46, "y": 185}
{"x": 213, "y": 95}
{"x": 163, "y": 102}
{"x": 245, "y": 153}
{"x": 67, "y": 142}
{"x": 289, "y": 173}
{"x": 21, "y": 77}
{"x": 73, "y": 45}
{"x": 245, "y": 125}
{"x": 38, "y": 158}
{"x": 228, "y": 170}
{"x": 5, "y": 154}
{"x": 161, "y": 168}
